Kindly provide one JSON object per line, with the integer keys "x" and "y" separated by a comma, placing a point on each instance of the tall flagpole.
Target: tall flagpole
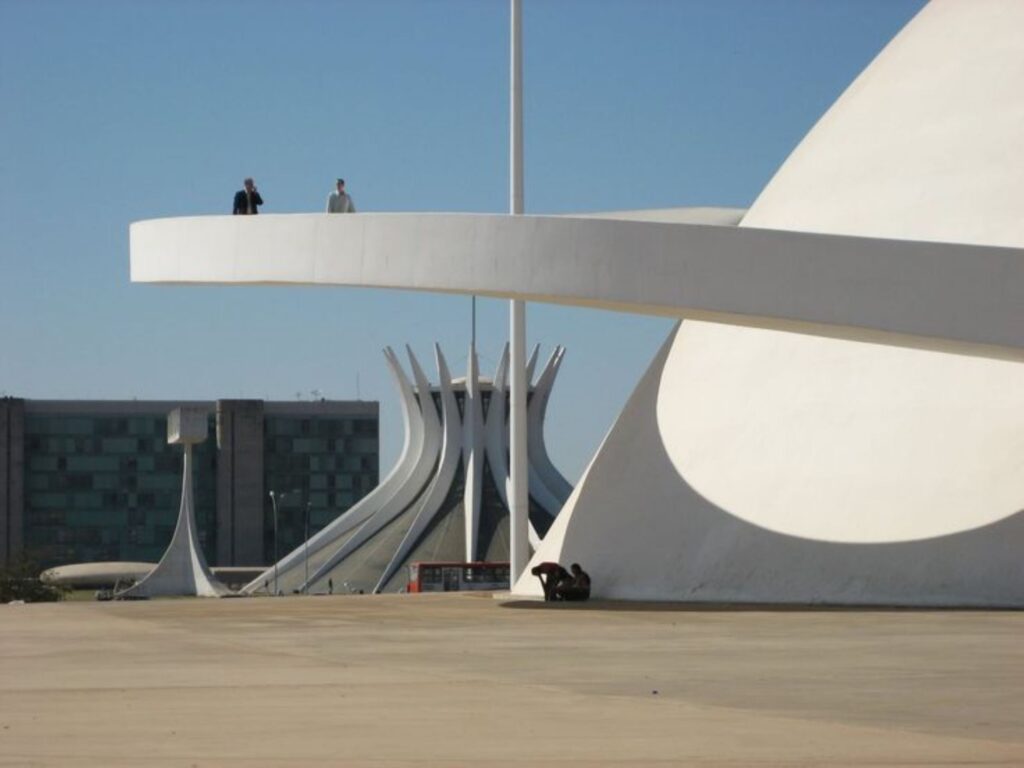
{"x": 518, "y": 496}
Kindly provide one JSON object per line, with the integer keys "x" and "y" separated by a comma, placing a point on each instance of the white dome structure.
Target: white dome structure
{"x": 839, "y": 415}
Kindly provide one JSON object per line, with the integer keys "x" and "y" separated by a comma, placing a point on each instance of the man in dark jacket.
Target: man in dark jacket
{"x": 247, "y": 199}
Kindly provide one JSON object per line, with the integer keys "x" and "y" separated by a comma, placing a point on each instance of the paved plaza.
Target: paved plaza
{"x": 464, "y": 680}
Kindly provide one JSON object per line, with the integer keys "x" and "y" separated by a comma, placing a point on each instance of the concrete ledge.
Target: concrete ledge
{"x": 954, "y": 297}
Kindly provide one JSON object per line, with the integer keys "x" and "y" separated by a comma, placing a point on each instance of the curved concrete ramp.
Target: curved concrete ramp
{"x": 929, "y": 294}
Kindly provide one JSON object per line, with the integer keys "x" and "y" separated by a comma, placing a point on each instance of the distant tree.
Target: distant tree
{"x": 20, "y": 581}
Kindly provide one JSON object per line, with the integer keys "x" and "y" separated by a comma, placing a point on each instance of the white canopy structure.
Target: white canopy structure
{"x": 182, "y": 569}
{"x": 839, "y": 415}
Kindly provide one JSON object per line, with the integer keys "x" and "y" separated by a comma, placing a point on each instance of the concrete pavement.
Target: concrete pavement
{"x": 462, "y": 680}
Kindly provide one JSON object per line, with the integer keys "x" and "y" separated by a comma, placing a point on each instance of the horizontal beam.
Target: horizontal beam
{"x": 961, "y": 298}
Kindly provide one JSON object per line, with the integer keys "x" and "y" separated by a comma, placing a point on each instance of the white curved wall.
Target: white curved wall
{"x": 643, "y": 532}
{"x": 926, "y": 142}
{"x": 758, "y": 465}
{"x": 843, "y": 441}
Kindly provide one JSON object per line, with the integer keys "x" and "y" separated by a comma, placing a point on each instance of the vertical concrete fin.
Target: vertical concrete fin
{"x": 451, "y": 453}
{"x": 549, "y": 488}
{"x": 182, "y": 570}
{"x": 496, "y": 428}
{"x": 531, "y": 364}
{"x": 473, "y": 453}
{"x": 426, "y": 440}
{"x": 379, "y": 496}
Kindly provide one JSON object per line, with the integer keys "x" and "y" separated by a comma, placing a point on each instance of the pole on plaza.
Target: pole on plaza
{"x": 273, "y": 504}
{"x": 518, "y": 497}
{"x": 306, "y": 558}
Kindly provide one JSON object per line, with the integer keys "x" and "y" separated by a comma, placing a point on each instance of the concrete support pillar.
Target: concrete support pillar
{"x": 518, "y": 500}
{"x": 12, "y": 479}
{"x": 182, "y": 570}
{"x": 240, "y": 493}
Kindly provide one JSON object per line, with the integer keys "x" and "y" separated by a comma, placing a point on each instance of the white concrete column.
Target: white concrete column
{"x": 516, "y": 112}
{"x": 518, "y": 502}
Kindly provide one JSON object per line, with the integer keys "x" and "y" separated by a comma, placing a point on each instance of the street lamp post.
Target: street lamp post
{"x": 273, "y": 504}
{"x": 306, "y": 558}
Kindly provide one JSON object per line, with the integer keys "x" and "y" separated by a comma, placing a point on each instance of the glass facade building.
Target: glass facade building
{"x": 88, "y": 481}
{"x": 107, "y": 487}
{"x": 315, "y": 467}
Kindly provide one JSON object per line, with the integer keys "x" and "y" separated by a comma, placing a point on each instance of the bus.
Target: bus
{"x": 458, "y": 577}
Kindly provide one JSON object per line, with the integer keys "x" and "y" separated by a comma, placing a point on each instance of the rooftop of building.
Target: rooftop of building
{"x": 310, "y": 408}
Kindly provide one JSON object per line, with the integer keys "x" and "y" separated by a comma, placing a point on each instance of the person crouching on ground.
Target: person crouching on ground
{"x": 550, "y": 576}
{"x": 574, "y": 588}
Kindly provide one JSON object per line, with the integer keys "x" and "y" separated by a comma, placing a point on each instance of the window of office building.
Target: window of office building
{"x": 108, "y": 487}
{"x": 327, "y": 463}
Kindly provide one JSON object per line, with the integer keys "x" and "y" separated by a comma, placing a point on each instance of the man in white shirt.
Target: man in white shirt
{"x": 339, "y": 201}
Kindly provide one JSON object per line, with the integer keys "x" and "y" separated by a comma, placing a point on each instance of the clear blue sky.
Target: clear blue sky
{"x": 117, "y": 110}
